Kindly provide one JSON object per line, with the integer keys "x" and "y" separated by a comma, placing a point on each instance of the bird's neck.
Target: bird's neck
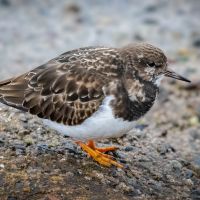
{"x": 141, "y": 97}
{"x": 133, "y": 98}
{"x": 140, "y": 90}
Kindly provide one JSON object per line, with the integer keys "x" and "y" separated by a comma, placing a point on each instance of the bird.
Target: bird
{"x": 92, "y": 93}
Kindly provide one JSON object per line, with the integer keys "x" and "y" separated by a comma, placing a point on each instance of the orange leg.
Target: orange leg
{"x": 91, "y": 144}
{"x": 97, "y": 155}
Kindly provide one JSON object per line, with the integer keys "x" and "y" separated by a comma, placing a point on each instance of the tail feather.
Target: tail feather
{"x": 12, "y": 92}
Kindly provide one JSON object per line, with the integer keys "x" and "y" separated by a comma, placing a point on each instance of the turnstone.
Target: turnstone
{"x": 91, "y": 93}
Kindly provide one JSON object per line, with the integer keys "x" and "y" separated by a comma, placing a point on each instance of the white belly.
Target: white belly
{"x": 101, "y": 124}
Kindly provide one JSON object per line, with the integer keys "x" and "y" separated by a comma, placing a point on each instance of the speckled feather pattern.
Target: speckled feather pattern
{"x": 71, "y": 88}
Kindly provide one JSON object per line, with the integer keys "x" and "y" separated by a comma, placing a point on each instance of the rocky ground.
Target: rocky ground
{"x": 161, "y": 156}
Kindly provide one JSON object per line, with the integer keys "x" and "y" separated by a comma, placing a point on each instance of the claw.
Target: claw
{"x": 98, "y": 154}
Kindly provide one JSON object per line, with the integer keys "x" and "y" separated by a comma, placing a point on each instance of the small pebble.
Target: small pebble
{"x": 176, "y": 165}
{"x": 128, "y": 148}
{"x": 188, "y": 174}
{"x": 2, "y": 165}
{"x": 189, "y": 182}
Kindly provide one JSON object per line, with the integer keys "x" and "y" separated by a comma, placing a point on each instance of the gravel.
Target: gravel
{"x": 160, "y": 156}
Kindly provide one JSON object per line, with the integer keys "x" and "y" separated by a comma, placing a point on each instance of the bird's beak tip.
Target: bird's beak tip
{"x": 172, "y": 74}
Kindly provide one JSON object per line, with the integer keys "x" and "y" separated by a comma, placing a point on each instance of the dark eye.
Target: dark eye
{"x": 151, "y": 64}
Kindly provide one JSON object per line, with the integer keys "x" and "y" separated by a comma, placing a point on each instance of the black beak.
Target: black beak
{"x": 173, "y": 74}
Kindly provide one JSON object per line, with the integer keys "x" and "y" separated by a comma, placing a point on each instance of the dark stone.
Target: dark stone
{"x": 19, "y": 149}
{"x": 195, "y": 194}
{"x": 128, "y": 148}
{"x": 5, "y": 2}
{"x": 141, "y": 127}
{"x": 165, "y": 148}
{"x": 1, "y": 142}
{"x": 151, "y": 8}
{"x": 73, "y": 8}
{"x": 196, "y": 43}
{"x": 11, "y": 198}
{"x": 150, "y": 21}
{"x": 189, "y": 174}
{"x": 138, "y": 37}
{"x": 122, "y": 161}
{"x": 195, "y": 135}
{"x": 1, "y": 180}
{"x": 164, "y": 133}
{"x": 70, "y": 147}
{"x": 197, "y": 160}
{"x": 42, "y": 149}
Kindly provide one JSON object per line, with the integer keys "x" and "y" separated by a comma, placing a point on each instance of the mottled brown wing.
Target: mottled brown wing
{"x": 67, "y": 89}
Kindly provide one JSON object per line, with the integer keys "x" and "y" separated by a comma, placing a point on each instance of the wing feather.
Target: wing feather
{"x": 67, "y": 89}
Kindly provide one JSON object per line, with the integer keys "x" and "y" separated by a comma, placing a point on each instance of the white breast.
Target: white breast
{"x": 102, "y": 124}
{"x": 158, "y": 80}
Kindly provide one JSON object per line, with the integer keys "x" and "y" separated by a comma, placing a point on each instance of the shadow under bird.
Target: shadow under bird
{"x": 92, "y": 93}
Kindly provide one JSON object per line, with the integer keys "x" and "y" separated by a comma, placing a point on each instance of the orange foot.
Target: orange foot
{"x": 98, "y": 153}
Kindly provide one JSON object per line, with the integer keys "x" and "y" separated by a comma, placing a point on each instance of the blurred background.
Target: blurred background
{"x": 35, "y": 31}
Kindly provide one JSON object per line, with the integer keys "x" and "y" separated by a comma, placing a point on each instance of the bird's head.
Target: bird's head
{"x": 150, "y": 63}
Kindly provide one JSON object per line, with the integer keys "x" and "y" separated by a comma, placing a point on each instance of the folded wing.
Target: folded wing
{"x": 67, "y": 89}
